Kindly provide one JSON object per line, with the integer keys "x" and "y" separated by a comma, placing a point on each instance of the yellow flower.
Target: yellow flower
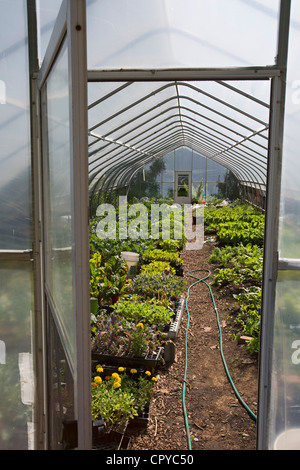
{"x": 154, "y": 379}
{"x": 99, "y": 369}
{"x": 121, "y": 369}
{"x": 133, "y": 371}
{"x": 116, "y": 384}
{"x": 115, "y": 375}
{"x": 140, "y": 325}
{"x": 147, "y": 372}
{"x": 97, "y": 379}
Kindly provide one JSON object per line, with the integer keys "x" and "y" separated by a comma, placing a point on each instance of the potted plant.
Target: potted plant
{"x": 108, "y": 280}
{"x": 166, "y": 289}
{"x": 163, "y": 255}
{"x": 120, "y": 395}
{"x": 158, "y": 267}
{"x": 117, "y": 340}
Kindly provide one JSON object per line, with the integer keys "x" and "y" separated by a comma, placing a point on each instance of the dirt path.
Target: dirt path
{"x": 216, "y": 418}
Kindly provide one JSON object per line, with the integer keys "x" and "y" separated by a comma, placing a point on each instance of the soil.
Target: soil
{"x": 217, "y": 420}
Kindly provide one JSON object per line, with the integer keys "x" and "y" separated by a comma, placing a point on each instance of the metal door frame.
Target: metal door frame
{"x": 70, "y": 25}
{"x": 178, "y": 199}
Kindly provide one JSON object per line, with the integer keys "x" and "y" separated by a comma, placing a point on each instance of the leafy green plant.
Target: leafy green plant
{"x": 107, "y": 281}
{"x": 139, "y": 341}
{"x": 238, "y": 275}
{"x": 162, "y": 255}
{"x": 139, "y": 311}
{"x": 233, "y": 225}
{"x": 248, "y": 317}
{"x": 109, "y": 247}
{"x": 197, "y": 193}
{"x": 171, "y": 245}
{"x": 233, "y": 233}
{"x": 158, "y": 267}
{"x": 165, "y": 289}
{"x": 237, "y": 253}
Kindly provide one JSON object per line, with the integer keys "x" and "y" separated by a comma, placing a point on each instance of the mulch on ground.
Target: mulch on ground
{"x": 216, "y": 418}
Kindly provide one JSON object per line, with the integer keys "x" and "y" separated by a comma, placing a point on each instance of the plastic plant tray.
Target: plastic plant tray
{"x": 174, "y": 326}
{"x": 148, "y": 362}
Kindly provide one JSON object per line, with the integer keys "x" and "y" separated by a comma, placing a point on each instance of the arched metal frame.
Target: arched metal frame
{"x": 147, "y": 128}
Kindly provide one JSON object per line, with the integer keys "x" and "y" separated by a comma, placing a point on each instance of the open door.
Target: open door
{"x": 62, "y": 84}
{"x": 183, "y": 190}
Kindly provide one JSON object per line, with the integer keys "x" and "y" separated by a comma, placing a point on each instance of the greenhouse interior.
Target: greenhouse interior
{"x": 116, "y": 105}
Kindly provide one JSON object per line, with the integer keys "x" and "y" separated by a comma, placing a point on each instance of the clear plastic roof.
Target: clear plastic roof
{"x": 177, "y": 33}
{"x": 134, "y": 122}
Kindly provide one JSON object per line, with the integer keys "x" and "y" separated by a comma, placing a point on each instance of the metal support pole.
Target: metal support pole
{"x": 38, "y": 318}
{"x": 271, "y": 227}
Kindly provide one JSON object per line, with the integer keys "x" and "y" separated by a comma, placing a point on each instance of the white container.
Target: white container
{"x": 288, "y": 440}
{"x": 132, "y": 260}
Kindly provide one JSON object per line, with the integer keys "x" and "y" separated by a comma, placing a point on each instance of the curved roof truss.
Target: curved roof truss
{"x": 134, "y": 123}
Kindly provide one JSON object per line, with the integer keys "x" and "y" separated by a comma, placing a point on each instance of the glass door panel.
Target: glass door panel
{"x": 65, "y": 230}
{"x": 61, "y": 333}
{"x": 183, "y": 187}
{"x": 58, "y": 215}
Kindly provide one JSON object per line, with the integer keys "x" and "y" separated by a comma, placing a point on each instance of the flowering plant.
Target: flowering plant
{"x": 120, "y": 396}
{"x": 112, "y": 334}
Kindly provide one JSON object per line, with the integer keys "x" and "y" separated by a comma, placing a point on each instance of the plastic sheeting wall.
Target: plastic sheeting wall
{"x": 16, "y": 277}
{"x": 284, "y": 413}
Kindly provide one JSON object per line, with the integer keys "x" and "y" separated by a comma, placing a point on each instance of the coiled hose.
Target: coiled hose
{"x": 203, "y": 279}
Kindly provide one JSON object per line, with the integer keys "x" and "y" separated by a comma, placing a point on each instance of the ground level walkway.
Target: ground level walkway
{"x": 216, "y": 418}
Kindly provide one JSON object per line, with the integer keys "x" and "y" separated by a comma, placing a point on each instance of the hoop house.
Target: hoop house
{"x": 91, "y": 94}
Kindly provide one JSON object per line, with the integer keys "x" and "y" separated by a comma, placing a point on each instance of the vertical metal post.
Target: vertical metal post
{"x": 76, "y": 24}
{"x": 271, "y": 226}
{"x": 38, "y": 317}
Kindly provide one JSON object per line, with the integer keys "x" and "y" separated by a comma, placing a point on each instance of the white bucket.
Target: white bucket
{"x": 132, "y": 260}
{"x": 288, "y": 440}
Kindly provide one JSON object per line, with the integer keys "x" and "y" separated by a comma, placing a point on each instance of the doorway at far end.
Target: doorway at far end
{"x": 183, "y": 187}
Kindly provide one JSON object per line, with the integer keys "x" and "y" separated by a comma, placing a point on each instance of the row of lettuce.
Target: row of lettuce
{"x": 239, "y": 230}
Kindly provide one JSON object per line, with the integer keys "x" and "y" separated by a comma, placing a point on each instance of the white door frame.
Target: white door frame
{"x": 183, "y": 199}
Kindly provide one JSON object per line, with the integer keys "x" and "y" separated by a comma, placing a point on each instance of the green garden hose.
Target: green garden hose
{"x": 221, "y": 350}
